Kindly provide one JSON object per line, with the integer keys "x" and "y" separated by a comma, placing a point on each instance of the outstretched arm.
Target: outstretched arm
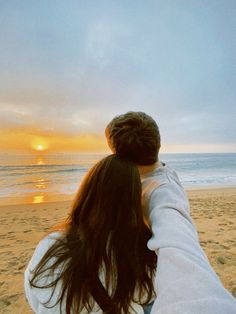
{"x": 185, "y": 281}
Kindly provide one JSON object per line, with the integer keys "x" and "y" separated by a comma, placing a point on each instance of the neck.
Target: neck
{"x": 149, "y": 168}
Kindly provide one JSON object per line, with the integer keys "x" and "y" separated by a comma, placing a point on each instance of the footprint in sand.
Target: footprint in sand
{"x": 3, "y": 246}
{"x": 230, "y": 241}
{"x": 7, "y": 300}
{"x": 221, "y": 260}
{"x": 28, "y": 230}
{"x": 21, "y": 267}
{"x": 225, "y": 247}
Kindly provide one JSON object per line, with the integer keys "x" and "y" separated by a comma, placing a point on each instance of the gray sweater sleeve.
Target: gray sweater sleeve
{"x": 185, "y": 281}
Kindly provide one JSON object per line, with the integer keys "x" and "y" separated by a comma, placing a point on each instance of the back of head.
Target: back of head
{"x": 135, "y": 136}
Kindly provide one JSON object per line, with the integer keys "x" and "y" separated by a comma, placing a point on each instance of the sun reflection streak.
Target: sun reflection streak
{"x": 40, "y": 161}
{"x": 40, "y": 183}
{"x": 38, "y": 199}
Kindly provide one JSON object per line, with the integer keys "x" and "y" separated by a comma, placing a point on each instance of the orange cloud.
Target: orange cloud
{"x": 23, "y": 142}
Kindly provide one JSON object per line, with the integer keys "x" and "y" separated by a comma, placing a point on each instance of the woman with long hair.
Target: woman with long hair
{"x": 97, "y": 260}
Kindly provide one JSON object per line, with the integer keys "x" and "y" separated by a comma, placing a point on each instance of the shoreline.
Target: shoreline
{"x": 48, "y": 198}
{"x": 202, "y": 188}
{"x": 24, "y": 225}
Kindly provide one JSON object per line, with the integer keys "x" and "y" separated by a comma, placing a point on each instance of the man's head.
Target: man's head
{"x": 134, "y": 135}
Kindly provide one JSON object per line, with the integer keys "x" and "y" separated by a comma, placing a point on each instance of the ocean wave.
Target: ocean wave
{"x": 13, "y": 167}
{"x": 38, "y": 171}
{"x": 194, "y": 170}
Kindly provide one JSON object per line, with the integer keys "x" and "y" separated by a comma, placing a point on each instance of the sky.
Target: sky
{"x": 68, "y": 67}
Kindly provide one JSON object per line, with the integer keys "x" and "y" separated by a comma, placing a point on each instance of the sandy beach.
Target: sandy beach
{"x": 22, "y": 226}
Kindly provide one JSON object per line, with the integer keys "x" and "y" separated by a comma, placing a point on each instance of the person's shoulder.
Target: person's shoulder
{"x": 163, "y": 182}
{"x": 50, "y": 239}
{"x": 162, "y": 175}
{"x": 43, "y": 246}
{"x": 172, "y": 176}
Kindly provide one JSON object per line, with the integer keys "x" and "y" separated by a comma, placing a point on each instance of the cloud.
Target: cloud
{"x": 70, "y": 68}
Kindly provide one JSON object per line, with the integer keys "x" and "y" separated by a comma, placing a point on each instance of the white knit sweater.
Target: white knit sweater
{"x": 37, "y": 296}
{"x": 185, "y": 281}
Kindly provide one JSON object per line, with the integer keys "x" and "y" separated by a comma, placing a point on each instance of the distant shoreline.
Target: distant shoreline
{"x": 35, "y": 198}
{"x": 45, "y": 179}
{"x": 68, "y": 198}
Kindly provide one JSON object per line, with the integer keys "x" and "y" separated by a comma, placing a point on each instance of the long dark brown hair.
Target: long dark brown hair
{"x": 105, "y": 232}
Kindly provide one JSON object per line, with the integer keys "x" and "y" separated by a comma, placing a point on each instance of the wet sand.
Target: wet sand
{"x": 22, "y": 226}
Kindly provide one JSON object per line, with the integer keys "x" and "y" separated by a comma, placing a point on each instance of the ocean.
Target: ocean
{"x": 35, "y": 179}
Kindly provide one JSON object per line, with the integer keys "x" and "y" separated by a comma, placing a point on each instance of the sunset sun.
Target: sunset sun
{"x": 39, "y": 144}
{"x": 40, "y": 147}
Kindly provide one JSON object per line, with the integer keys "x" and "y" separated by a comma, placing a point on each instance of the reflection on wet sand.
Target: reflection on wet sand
{"x": 38, "y": 199}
